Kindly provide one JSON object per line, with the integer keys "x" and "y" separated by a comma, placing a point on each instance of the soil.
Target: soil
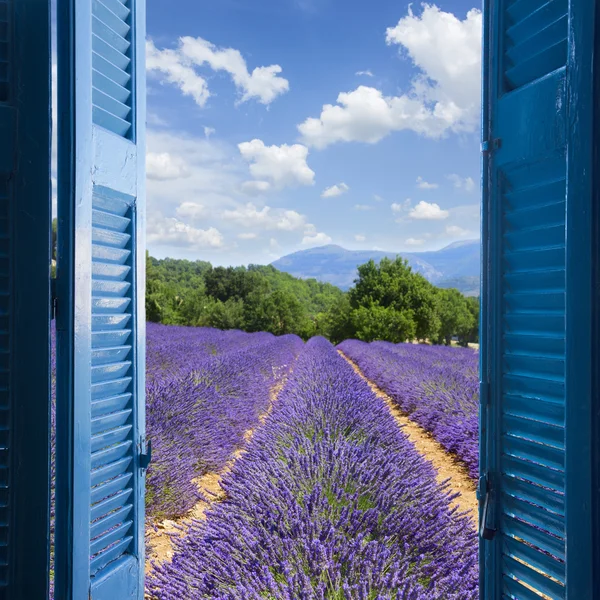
{"x": 447, "y": 467}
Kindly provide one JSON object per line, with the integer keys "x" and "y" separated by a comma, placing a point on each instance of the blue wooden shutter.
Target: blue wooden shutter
{"x": 24, "y": 298}
{"x": 536, "y": 411}
{"x": 100, "y": 306}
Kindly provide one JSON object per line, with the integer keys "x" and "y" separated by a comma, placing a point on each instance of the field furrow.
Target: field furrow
{"x": 160, "y": 535}
{"x": 447, "y": 468}
{"x": 436, "y": 387}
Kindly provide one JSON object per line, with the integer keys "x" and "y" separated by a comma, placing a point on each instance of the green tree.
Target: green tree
{"x": 473, "y": 305}
{"x": 455, "y": 317}
{"x": 338, "y": 325}
{"x": 383, "y": 323}
{"x": 393, "y": 285}
{"x": 223, "y": 315}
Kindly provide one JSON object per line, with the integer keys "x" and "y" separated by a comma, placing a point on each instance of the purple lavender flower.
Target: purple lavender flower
{"x": 330, "y": 501}
{"x": 437, "y": 386}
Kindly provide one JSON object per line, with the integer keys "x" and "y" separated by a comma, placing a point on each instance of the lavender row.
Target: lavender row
{"x": 436, "y": 386}
{"x": 330, "y": 501}
{"x": 175, "y": 348}
{"x": 197, "y": 413}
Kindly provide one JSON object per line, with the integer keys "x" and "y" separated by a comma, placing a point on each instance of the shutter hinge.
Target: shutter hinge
{"x": 487, "y": 146}
{"x": 484, "y": 491}
{"x": 146, "y": 457}
{"x": 53, "y": 300}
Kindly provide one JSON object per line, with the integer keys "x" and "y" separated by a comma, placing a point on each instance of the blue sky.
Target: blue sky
{"x": 278, "y": 125}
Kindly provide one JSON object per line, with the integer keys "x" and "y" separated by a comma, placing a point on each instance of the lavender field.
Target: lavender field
{"x": 437, "y": 386}
{"x": 204, "y": 389}
{"x": 330, "y": 499}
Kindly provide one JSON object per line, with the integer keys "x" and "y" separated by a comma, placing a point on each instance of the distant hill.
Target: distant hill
{"x": 456, "y": 265}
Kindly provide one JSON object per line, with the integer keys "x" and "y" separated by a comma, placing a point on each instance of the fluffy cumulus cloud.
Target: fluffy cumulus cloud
{"x": 183, "y": 168}
{"x": 425, "y": 185}
{"x": 316, "y": 239}
{"x": 425, "y": 211}
{"x": 174, "y": 69}
{"x": 447, "y": 50}
{"x": 444, "y": 96}
{"x": 280, "y": 165}
{"x": 192, "y": 211}
{"x": 428, "y": 211}
{"x": 462, "y": 183}
{"x": 179, "y": 66}
{"x": 170, "y": 231}
{"x": 266, "y": 218}
{"x": 162, "y": 165}
{"x": 335, "y": 190}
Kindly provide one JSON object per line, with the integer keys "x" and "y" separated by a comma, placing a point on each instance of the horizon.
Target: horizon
{"x": 307, "y": 250}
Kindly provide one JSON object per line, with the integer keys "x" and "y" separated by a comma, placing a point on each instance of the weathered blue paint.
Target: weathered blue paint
{"x": 595, "y": 324}
{"x": 25, "y": 210}
{"x": 100, "y": 300}
{"x": 580, "y": 309}
{"x": 537, "y": 309}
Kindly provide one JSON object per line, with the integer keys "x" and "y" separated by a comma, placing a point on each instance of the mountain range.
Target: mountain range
{"x": 456, "y": 265}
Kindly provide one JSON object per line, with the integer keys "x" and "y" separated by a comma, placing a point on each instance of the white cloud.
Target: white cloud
{"x": 366, "y": 115}
{"x": 462, "y": 183}
{"x": 429, "y": 211}
{"x": 424, "y": 185}
{"x": 266, "y": 218}
{"x": 162, "y": 165}
{"x": 456, "y": 231}
{"x": 400, "y": 208}
{"x": 366, "y": 73}
{"x": 178, "y": 66}
{"x": 211, "y": 199}
{"x": 282, "y": 165}
{"x": 414, "y": 242}
{"x": 444, "y": 97}
{"x": 208, "y": 131}
{"x": 448, "y": 52}
{"x": 191, "y": 210}
{"x": 360, "y": 238}
{"x": 335, "y": 190}
{"x": 363, "y": 207}
{"x": 264, "y": 83}
{"x": 317, "y": 239}
{"x": 377, "y": 198}
{"x": 254, "y": 188}
{"x": 172, "y": 232}
{"x": 177, "y": 71}
{"x": 214, "y": 172}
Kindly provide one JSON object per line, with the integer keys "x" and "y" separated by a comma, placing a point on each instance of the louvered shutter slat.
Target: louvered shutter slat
{"x": 536, "y": 308}
{"x": 107, "y": 274}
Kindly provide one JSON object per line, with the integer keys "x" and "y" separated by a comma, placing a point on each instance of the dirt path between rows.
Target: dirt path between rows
{"x": 160, "y": 540}
{"x": 446, "y": 466}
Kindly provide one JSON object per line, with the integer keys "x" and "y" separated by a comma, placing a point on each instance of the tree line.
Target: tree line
{"x": 388, "y": 301}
